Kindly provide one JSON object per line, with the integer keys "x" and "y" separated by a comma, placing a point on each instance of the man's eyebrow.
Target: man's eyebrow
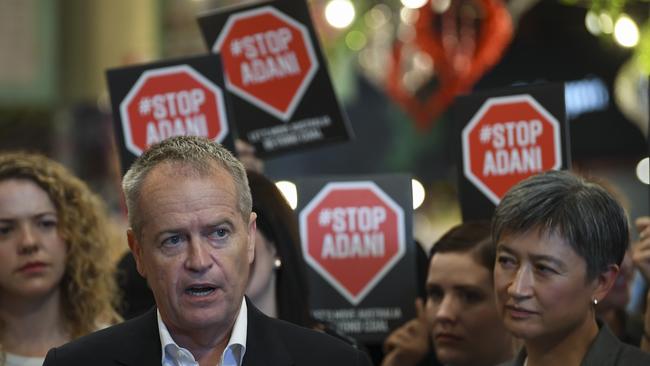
{"x": 227, "y": 222}
{"x": 218, "y": 222}
{"x": 166, "y": 232}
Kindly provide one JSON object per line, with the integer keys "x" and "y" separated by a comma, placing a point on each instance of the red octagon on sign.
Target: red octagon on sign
{"x": 172, "y": 101}
{"x": 268, "y": 59}
{"x": 352, "y": 234}
{"x": 509, "y": 139}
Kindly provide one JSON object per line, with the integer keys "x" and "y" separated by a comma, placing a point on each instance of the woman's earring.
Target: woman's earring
{"x": 277, "y": 264}
{"x": 595, "y": 301}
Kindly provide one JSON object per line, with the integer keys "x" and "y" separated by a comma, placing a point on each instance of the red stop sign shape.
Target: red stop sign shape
{"x": 268, "y": 59}
{"x": 172, "y": 101}
{"x": 352, "y": 234}
{"x": 509, "y": 139}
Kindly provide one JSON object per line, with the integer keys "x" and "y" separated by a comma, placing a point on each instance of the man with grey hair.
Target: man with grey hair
{"x": 192, "y": 235}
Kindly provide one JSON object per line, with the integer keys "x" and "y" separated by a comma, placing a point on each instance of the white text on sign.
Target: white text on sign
{"x": 175, "y": 114}
{"x": 355, "y": 232}
{"x": 267, "y": 55}
{"x": 515, "y": 148}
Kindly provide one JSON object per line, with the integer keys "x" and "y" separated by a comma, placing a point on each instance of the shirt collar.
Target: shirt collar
{"x": 233, "y": 354}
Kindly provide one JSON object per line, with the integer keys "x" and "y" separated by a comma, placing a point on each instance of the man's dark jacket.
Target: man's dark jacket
{"x": 269, "y": 342}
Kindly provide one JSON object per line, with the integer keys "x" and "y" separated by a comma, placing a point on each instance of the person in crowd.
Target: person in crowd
{"x": 54, "y": 285}
{"x": 278, "y": 280}
{"x": 137, "y": 297}
{"x": 459, "y": 318}
{"x": 560, "y": 243}
{"x": 641, "y": 259}
{"x": 192, "y": 232}
{"x": 612, "y": 309}
{"x": 278, "y": 284}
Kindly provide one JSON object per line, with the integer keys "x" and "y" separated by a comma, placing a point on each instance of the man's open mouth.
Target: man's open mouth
{"x": 200, "y": 290}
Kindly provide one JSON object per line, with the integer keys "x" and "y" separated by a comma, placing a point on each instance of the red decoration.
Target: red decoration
{"x": 461, "y": 54}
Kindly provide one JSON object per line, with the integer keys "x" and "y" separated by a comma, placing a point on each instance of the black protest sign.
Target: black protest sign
{"x": 356, "y": 236}
{"x": 283, "y": 99}
{"x": 504, "y": 137}
{"x": 155, "y": 101}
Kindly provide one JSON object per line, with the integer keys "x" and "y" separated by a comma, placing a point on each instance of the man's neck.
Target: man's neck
{"x": 569, "y": 349}
{"x": 203, "y": 344}
{"x": 206, "y": 344}
{"x": 32, "y": 325}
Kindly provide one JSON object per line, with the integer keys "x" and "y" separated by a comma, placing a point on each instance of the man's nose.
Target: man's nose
{"x": 198, "y": 256}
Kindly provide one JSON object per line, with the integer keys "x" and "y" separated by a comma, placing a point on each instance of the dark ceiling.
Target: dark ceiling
{"x": 553, "y": 44}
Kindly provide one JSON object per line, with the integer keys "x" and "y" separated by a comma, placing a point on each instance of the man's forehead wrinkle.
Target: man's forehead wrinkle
{"x": 171, "y": 172}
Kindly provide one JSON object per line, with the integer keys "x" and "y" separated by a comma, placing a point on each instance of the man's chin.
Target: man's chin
{"x": 202, "y": 319}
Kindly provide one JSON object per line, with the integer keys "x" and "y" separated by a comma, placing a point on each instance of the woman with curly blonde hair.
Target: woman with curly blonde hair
{"x": 56, "y": 282}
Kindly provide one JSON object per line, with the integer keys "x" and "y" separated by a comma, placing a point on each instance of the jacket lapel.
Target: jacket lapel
{"x": 141, "y": 344}
{"x": 264, "y": 345}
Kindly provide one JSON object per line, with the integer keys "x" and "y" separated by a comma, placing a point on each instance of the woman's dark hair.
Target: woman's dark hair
{"x": 470, "y": 236}
{"x": 591, "y": 221}
{"x": 276, "y": 220}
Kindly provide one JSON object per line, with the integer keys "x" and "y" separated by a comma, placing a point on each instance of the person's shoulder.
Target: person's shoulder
{"x": 105, "y": 344}
{"x": 608, "y": 349}
{"x": 307, "y": 345}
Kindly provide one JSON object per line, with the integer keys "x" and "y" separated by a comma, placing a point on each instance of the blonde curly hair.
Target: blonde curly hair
{"x": 89, "y": 292}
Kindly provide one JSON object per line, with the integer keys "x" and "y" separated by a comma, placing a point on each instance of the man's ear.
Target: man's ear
{"x": 604, "y": 282}
{"x": 136, "y": 249}
{"x": 252, "y": 230}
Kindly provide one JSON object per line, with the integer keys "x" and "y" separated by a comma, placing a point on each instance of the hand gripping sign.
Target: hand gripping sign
{"x": 352, "y": 234}
{"x": 268, "y": 59}
{"x": 172, "y": 101}
{"x": 509, "y": 139}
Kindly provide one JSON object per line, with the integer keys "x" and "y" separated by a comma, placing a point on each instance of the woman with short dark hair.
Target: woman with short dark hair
{"x": 560, "y": 242}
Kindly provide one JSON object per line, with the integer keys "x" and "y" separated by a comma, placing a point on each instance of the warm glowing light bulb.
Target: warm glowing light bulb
{"x": 414, "y": 4}
{"x": 289, "y": 191}
{"x": 606, "y": 23}
{"x": 355, "y": 40}
{"x": 339, "y": 13}
{"x": 440, "y": 6}
{"x": 626, "y": 32}
{"x": 592, "y": 23}
{"x": 643, "y": 170}
{"x": 418, "y": 193}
